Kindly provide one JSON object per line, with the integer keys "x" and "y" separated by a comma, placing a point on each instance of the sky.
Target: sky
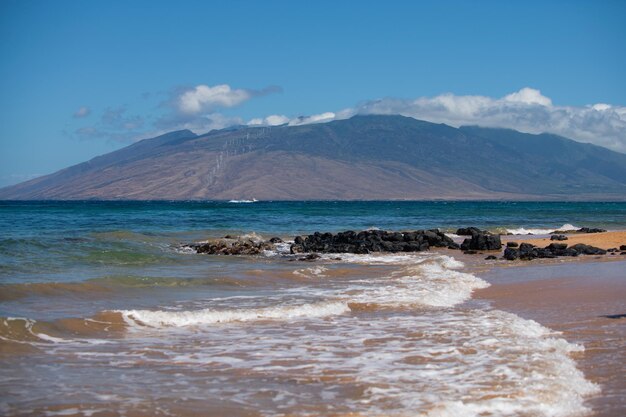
{"x": 82, "y": 78}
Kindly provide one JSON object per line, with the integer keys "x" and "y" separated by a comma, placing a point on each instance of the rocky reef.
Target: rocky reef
{"x": 372, "y": 241}
{"x": 527, "y": 251}
{"x": 368, "y": 241}
{"x": 229, "y": 245}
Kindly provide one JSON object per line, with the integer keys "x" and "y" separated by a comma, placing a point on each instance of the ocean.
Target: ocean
{"x": 104, "y": 312}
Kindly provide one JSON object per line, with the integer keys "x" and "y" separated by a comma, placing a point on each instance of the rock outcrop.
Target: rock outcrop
{"x": 232, "y": 246}
{"x": 581, "y": 230}
{"x": 480, "y": 240}
{"x": 527, "y": 251}
{"x": 372, "y": 241}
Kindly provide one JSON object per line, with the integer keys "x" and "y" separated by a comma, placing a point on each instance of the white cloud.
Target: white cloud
{"x": 204, "y": 98}
{"x": 273, "y": 120}
{"x": 82, "y": 112}
{"x": 526, "y": 110}
{"x": 316, "y": 118}
{"x": 528, "y": 96}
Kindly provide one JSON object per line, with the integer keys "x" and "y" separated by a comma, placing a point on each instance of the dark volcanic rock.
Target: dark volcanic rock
{"x": 482, "y": 241}
{"x": 558, "y": 237}
{"x": 512, "y": 244}
{"x": 588, "y": 249}
{"x": 469, "y": 231}
{"x": 490, "y": 258}
{"x": 528, "y": 251}
{"x": 368, "y": 241}
{"x": 232, "y": 246}
{"x": 622, "y": 247}
{"x": 511, "y": 254}
{"x": 276, "y": 240}
{"x": 581, "y": 230}
{"x": 588, "y": 230}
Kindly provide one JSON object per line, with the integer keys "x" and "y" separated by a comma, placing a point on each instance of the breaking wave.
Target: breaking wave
{"x": 210, "y": 316}
{"x": 538, "y": 231}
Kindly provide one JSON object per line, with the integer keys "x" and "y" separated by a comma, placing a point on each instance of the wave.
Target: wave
{"x": 161, "y": 318}
{"x": 430, "y": 281}
{"x": 97, "y": 287}
{"x": 538, "y": 231}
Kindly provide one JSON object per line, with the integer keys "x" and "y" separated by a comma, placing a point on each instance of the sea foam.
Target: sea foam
{"x": 209, "y": 316}
{"x": 538, "y": 231}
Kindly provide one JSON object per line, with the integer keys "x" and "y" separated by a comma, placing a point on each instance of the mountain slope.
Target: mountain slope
{"x": 365, "y": 157}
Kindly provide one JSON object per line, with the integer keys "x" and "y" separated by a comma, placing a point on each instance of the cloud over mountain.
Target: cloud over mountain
{"x": 200, "y": 108}
{"x": 526, "y": 110}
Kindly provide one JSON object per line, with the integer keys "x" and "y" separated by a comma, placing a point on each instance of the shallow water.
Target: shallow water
{"x": 102, "y": 313}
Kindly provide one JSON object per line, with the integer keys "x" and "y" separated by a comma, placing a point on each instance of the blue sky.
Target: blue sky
{"x": 82, "y": 78}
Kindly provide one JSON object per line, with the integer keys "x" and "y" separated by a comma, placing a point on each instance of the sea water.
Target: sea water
{"x": 103, "y": 311}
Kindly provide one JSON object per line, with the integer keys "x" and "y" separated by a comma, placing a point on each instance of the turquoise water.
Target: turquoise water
{"x": 70, "y": 241}
{"x": 69, "y": 219}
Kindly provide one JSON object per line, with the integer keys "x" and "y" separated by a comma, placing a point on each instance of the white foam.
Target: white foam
{"x": 537, "y": 231}
{"x": 471, "y": 363}
{"x": 313, "y": 272}
{"x": 432, "y": 281}
{"x": 376, "y": 258}
{"x": 161, "y": 318}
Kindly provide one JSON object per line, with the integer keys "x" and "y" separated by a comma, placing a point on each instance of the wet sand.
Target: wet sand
{"x": 585, "y": 299}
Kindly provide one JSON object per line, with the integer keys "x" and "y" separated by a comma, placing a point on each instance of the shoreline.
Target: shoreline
{"x": 583, "y": 298}
{"x": 603, "y": 240}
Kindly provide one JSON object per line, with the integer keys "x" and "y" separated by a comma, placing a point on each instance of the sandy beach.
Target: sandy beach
{"x": 584, "y": 298}
{"x": 606, "y": 240}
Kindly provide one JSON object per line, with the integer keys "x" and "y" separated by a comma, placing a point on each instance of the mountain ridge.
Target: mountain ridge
{"x": 361, "y": 158}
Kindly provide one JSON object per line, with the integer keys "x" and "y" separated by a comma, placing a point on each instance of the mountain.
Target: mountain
{"x": 365, "y": 157}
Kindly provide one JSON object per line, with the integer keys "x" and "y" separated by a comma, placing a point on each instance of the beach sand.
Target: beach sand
{"x": 606, "y": 240}
{"x": 585, "y": 299}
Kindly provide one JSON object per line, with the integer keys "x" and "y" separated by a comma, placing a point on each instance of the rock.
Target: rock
{"x": 511, "y": 254}
{"x": 622, "y": 247}
{"x": 612, "y": 250}
{"x": 482, "y": 241}
{"x": 469, "y": 231}
{"x": 490, "y": 258}
{"x": 581, "y": 230}
{"x": 512, "y": 244}
{"x": 276, "y": 240}
{"x": 558, "y": 237}
{"x": 588, "y": 230}
{"x": 470, "y": 252}
{"x": 310, "y": 257}
{"x": 231, "y": 246}
{"x": 528, "y": 251}
{"x": 368, "y": 241}
{"x": 622, "y": 253}
{"x": 588, "y": 249}
{"x": 557, "y": 246}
